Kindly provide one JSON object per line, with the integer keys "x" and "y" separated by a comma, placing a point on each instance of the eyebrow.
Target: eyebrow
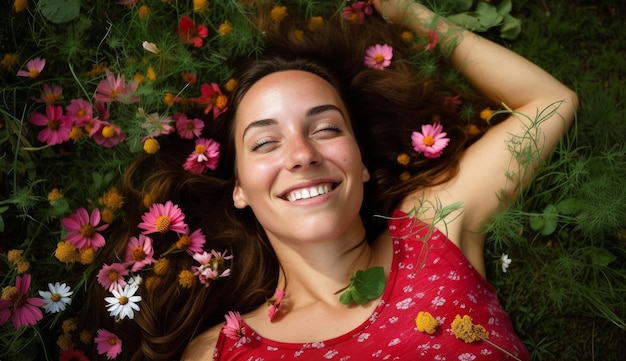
{"x": 309, "y": 113}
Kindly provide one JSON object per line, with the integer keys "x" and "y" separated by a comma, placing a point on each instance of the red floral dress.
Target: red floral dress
{"x": 429, "y": 273}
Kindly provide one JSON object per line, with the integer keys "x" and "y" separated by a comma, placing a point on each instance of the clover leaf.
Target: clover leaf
{"x": 364, "y": 286}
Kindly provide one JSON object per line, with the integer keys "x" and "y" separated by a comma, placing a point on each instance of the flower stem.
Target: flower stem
{"x": 501, "y": 349}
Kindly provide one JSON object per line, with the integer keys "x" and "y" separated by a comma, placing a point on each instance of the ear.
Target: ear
{"x": 366, "y": 174}
{"x": 239, "y": 197}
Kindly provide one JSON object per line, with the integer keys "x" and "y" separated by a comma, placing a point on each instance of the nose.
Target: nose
{"x": 302, "y": 153}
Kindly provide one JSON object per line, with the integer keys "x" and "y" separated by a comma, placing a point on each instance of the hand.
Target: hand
{"x": 406, "y": 12}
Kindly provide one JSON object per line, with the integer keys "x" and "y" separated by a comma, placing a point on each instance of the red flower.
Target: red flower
{"x": 190, "y": 33}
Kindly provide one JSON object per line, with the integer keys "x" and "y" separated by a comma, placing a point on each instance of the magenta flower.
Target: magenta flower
{"x": 139, "y": 252}
{"x": 452, "y": 102}
{"x": 73, "y": 355}
{"x": 80, "y": 111}
{"x": 34, "y": 68}
{"x": 106, "y": 134}
{"x": 162, "y": 218}
{"x": 50, "y": 94}
{"x": 378, "y": 56}
{"x": 192, "y": 243}
{"x": 102, "y": 109}
{"x": 114, "y": 88}
{"x": 111, "y": 276}
{"x": 431, "y": 141}
{"x": 205, "y": 156}
{"x": 190, "y": 33}
{"x": 188, "y": 128}
{"x": 275, "y": 306}
{"x": 433, "y": 37}
{"x": 25, "y": 309}
{"x": 234, "y": 328}
{"x": 356, "y": 12}
{"x": 211, "y": 266}
{"x": 108, "y": 343}
{"x": 57, "y": 126}
{"x": 83, "y": 229}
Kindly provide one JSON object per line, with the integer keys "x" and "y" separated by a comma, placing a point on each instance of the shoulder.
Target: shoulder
{"x": 202, "y": 346}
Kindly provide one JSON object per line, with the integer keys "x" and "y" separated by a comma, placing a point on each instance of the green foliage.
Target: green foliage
{"x": 364, "y": 286}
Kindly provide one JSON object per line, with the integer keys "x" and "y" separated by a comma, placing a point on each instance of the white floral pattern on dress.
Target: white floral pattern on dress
{"x": 438, "y": 280}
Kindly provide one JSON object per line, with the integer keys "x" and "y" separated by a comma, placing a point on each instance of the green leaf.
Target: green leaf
{"x": 601, "y": 257}
{"x": 546, "y": 222}
{"x": 59, "y": 11}
{"x": 364, "y": 285}
{"x": 511, "y": 28}
{"x": 570, "y": 206}
{"x": 505, "y": 7}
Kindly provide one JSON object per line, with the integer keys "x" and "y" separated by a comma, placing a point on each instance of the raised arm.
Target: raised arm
{"x": 543, "y": 110}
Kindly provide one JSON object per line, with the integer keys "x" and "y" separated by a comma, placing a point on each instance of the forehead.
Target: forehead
{"x": 285, "y": 91}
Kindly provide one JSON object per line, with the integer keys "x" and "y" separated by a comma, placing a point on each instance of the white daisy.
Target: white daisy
{"x": 57, "y": 298}
{"x": 123, "y": 302}
{"x": 505, "y": 261}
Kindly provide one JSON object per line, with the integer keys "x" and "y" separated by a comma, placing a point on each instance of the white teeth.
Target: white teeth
{"x": 308, "y": 192}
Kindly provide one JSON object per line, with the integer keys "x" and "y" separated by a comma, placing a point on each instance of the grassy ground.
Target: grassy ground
{"x": 566, "y": 290}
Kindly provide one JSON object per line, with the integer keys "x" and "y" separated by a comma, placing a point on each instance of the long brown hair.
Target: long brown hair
{"x": 385, "y": 107}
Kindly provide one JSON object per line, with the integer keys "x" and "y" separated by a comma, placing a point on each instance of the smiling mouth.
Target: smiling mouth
{"x": 310, "y": 192}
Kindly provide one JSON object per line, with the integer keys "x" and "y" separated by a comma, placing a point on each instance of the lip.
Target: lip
{"x": 306, "y": 186}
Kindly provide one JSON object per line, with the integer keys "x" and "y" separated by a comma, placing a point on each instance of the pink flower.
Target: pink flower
{"x": 139, "y": 252}
{"x": 452, "y": 102}
{"x": 108, "y": 343}
{"x": 211, "y": 266}
{"x": 189, "y": 33}
{"x": 431, "y": 141}
{"x": 356, "y": 12}
{"x": 115, "y": 89}
{"x": 188, "y": 128}
{"x": 80, "y": 111}
{"x": 275, "y": 306}
{"x": 106, "y": 134}
{"x": 433, "y": 40}
{"x": 205, "y": 156}
{"x": 102, "y": 109}
{"x": 192, "y": 243}
{"x": 34, "y": 67}
{"x": 25, "y": 309}
{"x": 162, "y": 218}
{"x": 212, "y": 97}
{"x": 234, "y": 328}
{"x": 111, "y": 276}
{"x": 58, "y": 126}
{"x": 156, "y": 124}
{"x": 51, "y": 95}
{"x": 83, "y": 229}
{"x": 378, "y": 56}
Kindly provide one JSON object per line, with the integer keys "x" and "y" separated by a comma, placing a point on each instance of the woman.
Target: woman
{"x": 319, "y": 147}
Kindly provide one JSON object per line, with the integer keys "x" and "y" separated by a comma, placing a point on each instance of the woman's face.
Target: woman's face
{"x": 298, "y": 164}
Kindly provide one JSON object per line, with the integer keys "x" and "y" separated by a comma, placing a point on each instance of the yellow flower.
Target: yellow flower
{"x": 168, "y": 99}
{"x": 15, "y": 255}
{"x": 403, "y": 159}
{"x": 200, "y": 6}
{"x": 230, "y": 85}
{"x": 65, "y": 342}
{"x": 143, "y": 12}
{"x": 225, "y": 28}
{"x": 77, "y": 133}
{"x": 151, "y": 146}
{"x": 69, "y": 325}
{"x": 113, "y": 199}
{"x": 85, "y": 337}
{"x": 425, "y": 322}
{"x": 464, "y": 329}
{"x": 54, "y": 195}
{"x": 407, "y": 36}
{"x": 404, "y": 176}
{"x": 22, "y": 266}
{"x": 151, "y": 74}
{"x": 297, "y": 35}
{"x": 278, "y": 13}
{"x": 20, "y": 5}
{"x": 8, "y": 292}
{"x": 97, "y": 69}
{"x": 139, "y": 78}
{"x": 485, "y": 114}
{"x": 107, "y": 215}
{"x": 148, "y": 199}
{"x": 186, "y": 279}
{"x": 66, "y": 252}
{"x": 472, "y": 130}
{"x": 315, "y": 23}
{"x": 183, "y": 242}
{"x": 152, "y": 282}
{"x": 86, "y": 256}
{"x": 161, "y": 266}
{"x": 108, "y": 132}
{"x": 9, "y": 61}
